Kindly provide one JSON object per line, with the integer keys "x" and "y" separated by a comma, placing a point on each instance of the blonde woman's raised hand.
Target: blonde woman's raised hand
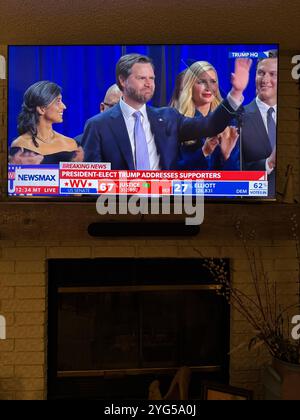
{"x": 240, "y": 77}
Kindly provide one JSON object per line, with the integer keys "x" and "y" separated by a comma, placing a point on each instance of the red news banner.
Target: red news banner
{"x": 93, "y": 179}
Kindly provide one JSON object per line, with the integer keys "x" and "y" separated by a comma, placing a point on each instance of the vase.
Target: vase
{"x": 282, "y": 381}
{"x": 290, "y": 375}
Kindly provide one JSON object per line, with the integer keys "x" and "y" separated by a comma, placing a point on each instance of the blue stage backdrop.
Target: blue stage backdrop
{"x": 85, "y": 73}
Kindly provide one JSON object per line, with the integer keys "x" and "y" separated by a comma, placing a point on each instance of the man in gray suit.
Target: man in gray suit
{"x": 259, "y": 122}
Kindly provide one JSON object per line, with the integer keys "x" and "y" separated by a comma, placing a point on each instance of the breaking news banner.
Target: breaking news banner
{"x": 97, "y": 178}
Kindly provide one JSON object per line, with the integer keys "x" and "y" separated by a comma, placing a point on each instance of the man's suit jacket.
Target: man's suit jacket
{"x": 105, "y": 138}
{"x": 256, "y": 147}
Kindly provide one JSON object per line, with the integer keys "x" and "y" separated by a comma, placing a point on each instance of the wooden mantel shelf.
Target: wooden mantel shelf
{"x": 69, "y": 221}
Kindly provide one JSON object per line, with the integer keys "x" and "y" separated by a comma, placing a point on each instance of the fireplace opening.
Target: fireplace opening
{"x": 116, "y": 324}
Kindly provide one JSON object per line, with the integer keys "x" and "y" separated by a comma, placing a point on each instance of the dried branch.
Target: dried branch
{"x": 262, "y": 310}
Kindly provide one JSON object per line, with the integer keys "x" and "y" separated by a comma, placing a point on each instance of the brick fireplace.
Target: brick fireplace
{"x": 117, "y": 324}
{"x": 24, "y": 285}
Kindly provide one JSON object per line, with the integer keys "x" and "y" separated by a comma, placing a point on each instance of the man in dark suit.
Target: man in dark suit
{"x": 132, "y": 135}
{"x": 111, "y": 98}
{"x": 259, "y": 122}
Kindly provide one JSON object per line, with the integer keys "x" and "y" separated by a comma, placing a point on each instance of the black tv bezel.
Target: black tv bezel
{"x": 5, "y": 197}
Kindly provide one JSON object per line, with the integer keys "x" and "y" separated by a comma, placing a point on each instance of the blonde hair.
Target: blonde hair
{"x": 185, "y": 103}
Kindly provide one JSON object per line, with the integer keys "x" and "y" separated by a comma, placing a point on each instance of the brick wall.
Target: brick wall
{"x": 288, "y": 127}
{"x": 23, "y": 300}
{"x": 32, "y": 233}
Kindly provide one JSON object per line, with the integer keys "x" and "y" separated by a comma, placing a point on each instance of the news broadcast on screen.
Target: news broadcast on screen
{"x": 148, "y": 120}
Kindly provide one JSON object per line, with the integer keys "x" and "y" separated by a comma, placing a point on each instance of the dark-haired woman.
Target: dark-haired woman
{"x": 38, "y": 143}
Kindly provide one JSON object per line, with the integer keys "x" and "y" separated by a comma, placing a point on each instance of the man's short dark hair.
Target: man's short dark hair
{"x": 125, "y": 64}
{"x": 270, "y": 53}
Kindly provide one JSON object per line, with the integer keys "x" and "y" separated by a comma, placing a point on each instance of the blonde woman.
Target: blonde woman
{"x": 199, "y": 96}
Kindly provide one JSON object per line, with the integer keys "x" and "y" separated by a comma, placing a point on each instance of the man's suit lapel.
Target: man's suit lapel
{"x": 118, "y": 127}
{"x": 159, "y": 129}
{"x": 258, "y": 123}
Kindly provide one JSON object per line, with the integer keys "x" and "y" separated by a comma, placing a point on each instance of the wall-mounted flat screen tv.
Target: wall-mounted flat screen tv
{"x": 85, "y": 120}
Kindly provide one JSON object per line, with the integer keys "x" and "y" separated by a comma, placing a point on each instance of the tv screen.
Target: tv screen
{"x": 142, "y": 119}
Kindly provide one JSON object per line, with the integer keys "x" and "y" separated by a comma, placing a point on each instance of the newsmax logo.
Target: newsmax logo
{"x": 37, "y": 176}
{"x": 33, "y": 180}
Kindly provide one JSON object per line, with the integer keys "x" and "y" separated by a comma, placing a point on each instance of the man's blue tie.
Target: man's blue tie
{"x": 271, "y": 127}
{"x": 141, "y": 149}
